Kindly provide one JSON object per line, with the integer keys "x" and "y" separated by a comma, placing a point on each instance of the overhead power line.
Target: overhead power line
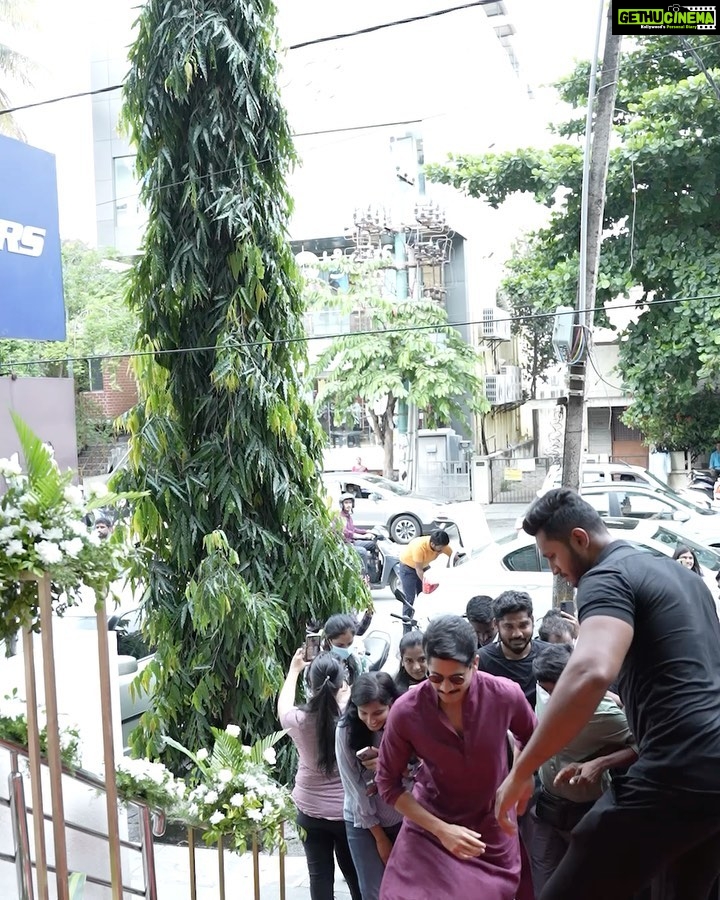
{"x": 306, "y": 339}
{"x": 370, "y": 29}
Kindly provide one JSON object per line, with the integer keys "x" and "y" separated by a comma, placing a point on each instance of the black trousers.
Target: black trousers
{"x": 323, "y": 837}
{"x": 634, "y": 833}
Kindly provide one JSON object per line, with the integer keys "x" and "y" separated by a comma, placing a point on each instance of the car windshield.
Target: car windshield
{"x": 706, "y": 556}
{"x": 396, "y": 488}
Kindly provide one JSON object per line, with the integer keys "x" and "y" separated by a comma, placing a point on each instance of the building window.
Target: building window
{"x": 96, "y": 374}
{"x": 127, "y": 207}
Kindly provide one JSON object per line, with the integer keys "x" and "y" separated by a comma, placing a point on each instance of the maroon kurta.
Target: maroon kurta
{"x": 457, "y": 783}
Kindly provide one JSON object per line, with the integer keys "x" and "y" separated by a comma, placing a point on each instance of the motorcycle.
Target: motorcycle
{"x": 382, "y": 563}
{"x": 702, "y": 485}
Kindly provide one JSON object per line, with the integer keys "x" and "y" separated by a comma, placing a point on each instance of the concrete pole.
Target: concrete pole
{"x": 594, "y": 184}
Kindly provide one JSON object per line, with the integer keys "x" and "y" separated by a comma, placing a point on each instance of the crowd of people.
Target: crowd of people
{"x": 580, "y": 764}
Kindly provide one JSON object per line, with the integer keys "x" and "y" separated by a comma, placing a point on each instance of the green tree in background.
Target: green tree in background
{"x": 662, "y": 217}
{"x": 242, "y": 550}
{"x": 408, "y": 352}
{"x": 14, "y": 66}
{"x": 98, "y": 323}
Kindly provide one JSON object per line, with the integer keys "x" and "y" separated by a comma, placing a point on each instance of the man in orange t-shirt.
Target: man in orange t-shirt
{"x": 414, "y": 559}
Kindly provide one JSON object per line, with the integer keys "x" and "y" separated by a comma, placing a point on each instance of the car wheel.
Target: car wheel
{"x": 404, "y": 528}
{"x": 396, "y": 587}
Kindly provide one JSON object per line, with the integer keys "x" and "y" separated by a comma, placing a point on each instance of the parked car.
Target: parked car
{"x": 405, "y": 514}
{"x": 514, "y": 563}
{"x": 639, "y": 502}
{"x": 599, "y": 474}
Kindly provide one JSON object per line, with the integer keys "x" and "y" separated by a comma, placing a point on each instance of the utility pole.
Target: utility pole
{"x": 597, "y": 153}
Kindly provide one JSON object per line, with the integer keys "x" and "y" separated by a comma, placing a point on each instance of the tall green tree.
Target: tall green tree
{"x": 661, "y": 218}
{"x": 403, "y": 350}
{"x": 241, "y": 548}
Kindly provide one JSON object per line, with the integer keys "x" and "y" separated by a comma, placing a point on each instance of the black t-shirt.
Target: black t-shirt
{"x": 670, "y": 679}
{"x": 492, "y": 659}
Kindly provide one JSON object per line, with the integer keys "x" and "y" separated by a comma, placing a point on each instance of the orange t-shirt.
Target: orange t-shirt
{"x": 418, "y": 552}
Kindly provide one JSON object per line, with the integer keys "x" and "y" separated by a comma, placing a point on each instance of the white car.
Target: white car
{"x": 600, "y": 474}
{"x": 405, "y": 514}
{"x": 514, "y": 563}
{"x": 637, "y": 502}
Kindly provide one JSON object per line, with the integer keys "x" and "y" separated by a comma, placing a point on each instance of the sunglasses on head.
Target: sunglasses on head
{"x": 456, "y": 679}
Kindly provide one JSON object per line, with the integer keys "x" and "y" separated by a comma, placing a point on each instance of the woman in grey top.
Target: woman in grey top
{"x": 372, "y": 825}
{"x": 318, "y": 791}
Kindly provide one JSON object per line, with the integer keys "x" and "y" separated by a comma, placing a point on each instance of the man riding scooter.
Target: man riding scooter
{"x": 362, "y": 541}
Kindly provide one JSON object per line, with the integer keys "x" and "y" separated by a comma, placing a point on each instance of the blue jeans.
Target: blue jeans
{"x": 411, "y": 585}
{"x": 368, "y": 865}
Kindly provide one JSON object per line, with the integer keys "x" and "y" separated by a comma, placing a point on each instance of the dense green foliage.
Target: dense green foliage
{"x": 240, "y": 547}
{"x": 662, "y": 217}
{"x": 402, "y": 350}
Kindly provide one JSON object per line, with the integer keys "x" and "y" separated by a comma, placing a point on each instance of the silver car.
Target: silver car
{"x": 379, "y": 501}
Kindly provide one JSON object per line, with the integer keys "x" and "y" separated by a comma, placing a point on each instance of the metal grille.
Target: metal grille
{"x": 517, "y": 479}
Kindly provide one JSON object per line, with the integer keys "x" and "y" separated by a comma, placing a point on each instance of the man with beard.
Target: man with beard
{"x": 513, "y": 654}
{"x": 654, "y": 623}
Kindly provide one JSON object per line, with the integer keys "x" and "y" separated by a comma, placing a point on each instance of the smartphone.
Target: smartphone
{"x": 367, "y": 753}
{"x": 567, "y": 606}
{"x": 312, "y": 647}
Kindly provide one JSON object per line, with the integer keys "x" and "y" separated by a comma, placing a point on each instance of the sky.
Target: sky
{"x": 550, "y": 35}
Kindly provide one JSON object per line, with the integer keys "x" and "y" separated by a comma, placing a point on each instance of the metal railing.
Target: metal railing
{"x": 192, "y": 846}
{"x": 150, "y": 824}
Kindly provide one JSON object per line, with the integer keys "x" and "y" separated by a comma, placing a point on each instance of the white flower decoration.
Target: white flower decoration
{"x": 216, "y": 817}
{"x": 211, "y": 797}
{"x": 270, "y": 756}
{"x": 224, "y": 776}
{"x": 8, "y": 532}
{"x": 48, "y": 552}
{"x": 53, "y": 534}
{"x": 9, "y": 467}
{"x": 202, "y": 754}
{"x": 237, "y": 800}
{"x": 233, "y": 730}
{"x": 13, "y": 548}
{"x": 72, "y": 547}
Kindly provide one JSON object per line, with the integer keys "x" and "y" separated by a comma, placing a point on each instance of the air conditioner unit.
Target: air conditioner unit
{"x": 495, "y": 323}
{"x": 491, "y": 389}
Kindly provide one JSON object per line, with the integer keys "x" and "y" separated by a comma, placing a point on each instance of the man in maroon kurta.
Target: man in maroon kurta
{"x": 457, "y": 724}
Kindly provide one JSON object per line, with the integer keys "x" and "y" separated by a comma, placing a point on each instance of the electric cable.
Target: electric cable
{"x": 370, "y": 29}
{"x": 306, "y": 339}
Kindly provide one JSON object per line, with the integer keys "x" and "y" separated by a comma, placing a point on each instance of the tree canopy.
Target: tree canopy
{"x": 661, "y": 220}
{"x": 402, "y": 350}
{"x": 240, "y": 548}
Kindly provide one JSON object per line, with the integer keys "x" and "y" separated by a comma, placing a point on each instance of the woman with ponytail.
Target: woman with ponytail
{"x": 318, "y": 791}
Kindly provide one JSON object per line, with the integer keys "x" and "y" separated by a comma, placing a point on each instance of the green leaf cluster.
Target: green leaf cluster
{"x": 239, "y": 549}
{"x": 659, "y": 233}
{"x": 402, "y": 350}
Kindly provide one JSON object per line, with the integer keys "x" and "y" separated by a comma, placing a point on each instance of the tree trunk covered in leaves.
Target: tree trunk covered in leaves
{"x": 241, "y": 548}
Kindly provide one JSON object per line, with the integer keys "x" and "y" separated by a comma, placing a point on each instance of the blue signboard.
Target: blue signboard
{"x": 31, "y": 288}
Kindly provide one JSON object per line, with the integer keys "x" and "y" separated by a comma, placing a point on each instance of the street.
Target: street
{"x": 501, "y": 518}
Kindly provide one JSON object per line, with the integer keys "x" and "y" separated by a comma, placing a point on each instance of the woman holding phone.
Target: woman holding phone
{"x": 372, "y": 825}
{"x": 318, "y": 791}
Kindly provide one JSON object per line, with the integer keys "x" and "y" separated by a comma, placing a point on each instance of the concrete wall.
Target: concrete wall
{"x": 47, "y": 405}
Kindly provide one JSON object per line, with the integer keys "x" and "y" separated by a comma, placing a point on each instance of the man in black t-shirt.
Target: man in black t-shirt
{"x": 653, "y": 623}
{"x": 513, "y": 654}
